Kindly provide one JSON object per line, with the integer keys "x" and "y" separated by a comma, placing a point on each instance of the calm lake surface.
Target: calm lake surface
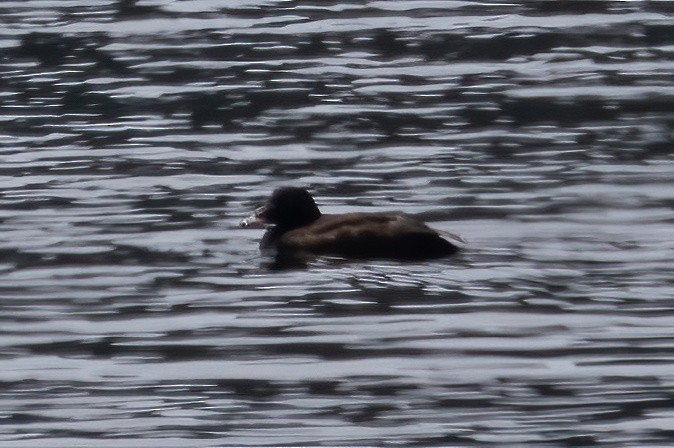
{"x": 135, "y": 137}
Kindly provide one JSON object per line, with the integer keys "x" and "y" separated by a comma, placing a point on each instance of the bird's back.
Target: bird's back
{"x": 367, "y": 235}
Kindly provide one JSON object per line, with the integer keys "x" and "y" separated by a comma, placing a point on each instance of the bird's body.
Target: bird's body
{"x": 300, "y": 229}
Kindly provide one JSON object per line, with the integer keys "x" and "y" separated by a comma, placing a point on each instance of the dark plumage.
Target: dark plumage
{"x": 300, "y": 228}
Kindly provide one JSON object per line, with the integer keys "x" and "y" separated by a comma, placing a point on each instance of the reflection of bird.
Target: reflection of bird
{"x": 130, "y": 8}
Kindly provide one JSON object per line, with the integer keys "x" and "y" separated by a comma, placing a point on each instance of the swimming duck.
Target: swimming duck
{"x": 299, "y": 228}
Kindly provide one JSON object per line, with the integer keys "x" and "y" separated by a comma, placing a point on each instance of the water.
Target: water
{"x": 134, "y": 311}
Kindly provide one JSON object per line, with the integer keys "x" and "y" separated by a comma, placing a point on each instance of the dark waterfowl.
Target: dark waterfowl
{"x": 299, "y": 228}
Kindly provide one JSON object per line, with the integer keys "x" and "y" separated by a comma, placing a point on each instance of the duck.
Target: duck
{"x": 296, "y": 227}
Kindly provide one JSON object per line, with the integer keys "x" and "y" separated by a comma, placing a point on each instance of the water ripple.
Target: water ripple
{"x": 137, "y": 134}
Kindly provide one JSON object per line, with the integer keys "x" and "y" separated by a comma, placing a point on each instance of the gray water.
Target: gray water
{"x": 134, "y": 311}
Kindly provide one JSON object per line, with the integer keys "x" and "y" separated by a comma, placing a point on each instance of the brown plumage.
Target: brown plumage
{"x": 301, "y": 229}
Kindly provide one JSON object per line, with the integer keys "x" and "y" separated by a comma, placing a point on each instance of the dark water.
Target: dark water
{"x": 134, "y": 312}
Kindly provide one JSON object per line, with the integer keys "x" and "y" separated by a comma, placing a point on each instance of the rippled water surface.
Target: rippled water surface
{"x": 136, "y": 135}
